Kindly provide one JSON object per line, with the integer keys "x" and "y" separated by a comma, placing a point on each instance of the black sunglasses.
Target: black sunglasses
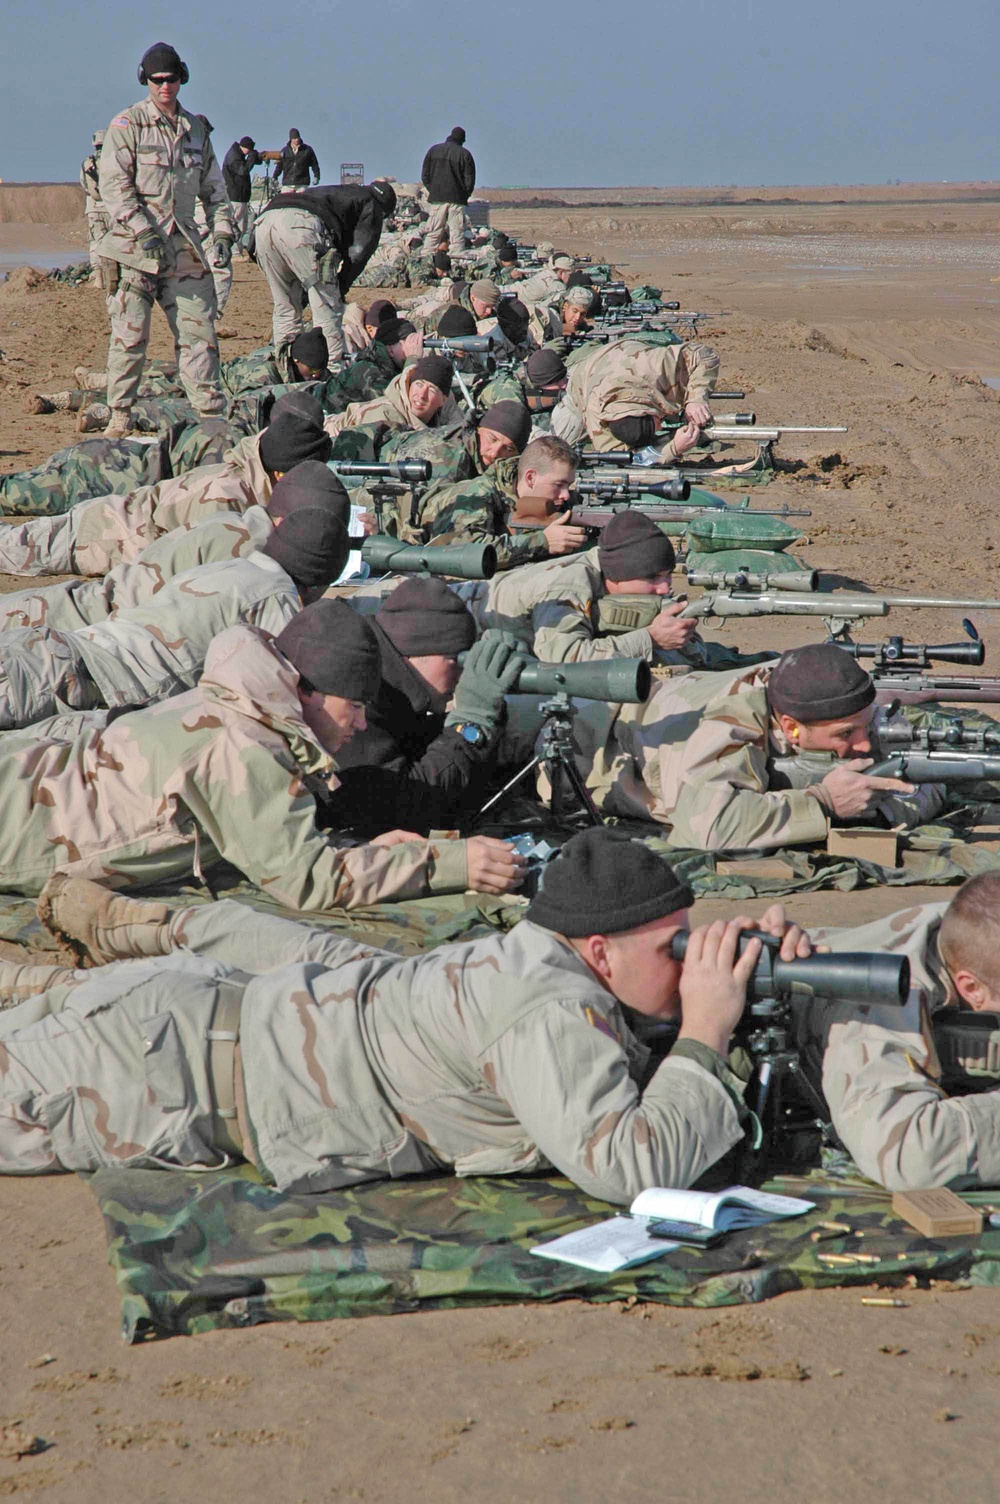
{"x": 165, "y": 78}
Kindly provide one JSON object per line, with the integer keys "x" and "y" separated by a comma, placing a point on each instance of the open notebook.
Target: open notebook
{"x": 619, "y": 1242}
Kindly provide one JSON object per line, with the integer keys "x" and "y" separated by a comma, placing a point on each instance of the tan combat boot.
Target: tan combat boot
{"x": 53, "y": 402}
{"x": 120, "y": 423}
{"x": 35, "y": 404}
{"x": 100, "y": 925}
{"x": 90, "y": 381}
{"x": 94, "y": 419}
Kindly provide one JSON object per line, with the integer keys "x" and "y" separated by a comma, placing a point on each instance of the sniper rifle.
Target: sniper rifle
{"x": 899, "y": 670}
{"x": 951, "y": 753}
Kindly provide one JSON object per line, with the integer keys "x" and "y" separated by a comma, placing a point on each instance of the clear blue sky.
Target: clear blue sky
{"x": 557, "y": 92}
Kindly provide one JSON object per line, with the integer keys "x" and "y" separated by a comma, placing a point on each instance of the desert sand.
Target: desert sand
{"x": 878, "y": 312}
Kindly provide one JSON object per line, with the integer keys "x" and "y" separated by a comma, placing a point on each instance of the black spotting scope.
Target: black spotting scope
{"x": 460, "y": 561}
{"x": 850, "y": 977}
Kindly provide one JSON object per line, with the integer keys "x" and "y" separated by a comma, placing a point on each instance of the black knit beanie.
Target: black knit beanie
{"x": 441, "y": 261}
{"x": 545, "y": 368}
{"x": 512, "y": 419}
{"x": 633, "y": 548}
{"x": 311, "y": 348}
{"x": 603, "y": 882}
{"x": 311, "y": 546}
{"x": 456, "y": 321}
{"x": 310, "y": 484}
{"x": 457, "y": 134}
{"x": 422, "y": 617}
{"x": 819, "y": 683}
{"x": 513, "y": 318}
{"x": 378, "y": 311}
{"x": 334, "y": 650}
{"x": 301, "y": 402}
{"x": 292, "y": 437}
{"x": 392, "y": 331}
{"x": 436, "y": 370}
{"x": 161, "y": 58}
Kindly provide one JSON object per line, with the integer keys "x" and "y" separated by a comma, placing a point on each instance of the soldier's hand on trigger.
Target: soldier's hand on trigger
{"x": 670, "y": 630}
{"x": 852, "y": 793}
{"x": 699, "y": 413}
{"x": 493, "y": 865}
{"x": 713, "y": 984}
{"x": 562, "y": 538}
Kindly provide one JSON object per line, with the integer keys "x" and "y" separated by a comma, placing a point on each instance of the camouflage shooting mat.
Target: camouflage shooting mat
{"x": 196, "y": 1252}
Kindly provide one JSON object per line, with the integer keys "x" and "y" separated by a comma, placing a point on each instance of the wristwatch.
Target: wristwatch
{"x": 471, "y": 733}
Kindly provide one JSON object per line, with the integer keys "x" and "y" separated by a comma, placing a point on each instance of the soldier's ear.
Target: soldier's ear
{"x": 974, "y": 993}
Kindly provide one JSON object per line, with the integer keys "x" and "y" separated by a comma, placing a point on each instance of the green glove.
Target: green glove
{"x": 154, "y": 248}
{"x": 492, "y": 669}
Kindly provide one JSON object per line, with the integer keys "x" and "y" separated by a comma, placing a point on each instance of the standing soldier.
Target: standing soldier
{"x": 237, "y": 165}
{"x": 315, "y": 243}
{"x": 156, "y": 163}
{"x": 449, "y": 175}
{"x": 97, "y": 215}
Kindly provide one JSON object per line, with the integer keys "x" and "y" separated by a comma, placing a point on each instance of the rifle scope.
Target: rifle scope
{"x": 413, "y": 472}
{"x": 676, "y": 488}
{"x": 895, "y": 651}
{"x": 851, "y": 977}
{"x": 955, "y": 737}
{"x": 461, "y": 561}
{"x": 746, "y": 579}
{"x": 617, "y": 680}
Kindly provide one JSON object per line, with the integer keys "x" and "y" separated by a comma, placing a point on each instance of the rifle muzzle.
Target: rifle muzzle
{"x": 461, "y": 561}
{"x": 851, "y": 977}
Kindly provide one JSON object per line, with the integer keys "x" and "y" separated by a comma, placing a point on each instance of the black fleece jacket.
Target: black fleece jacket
{"x": 406, "y": 771}
{"x": 449, "y": 173}
{"x": 352, "y": 218}
{"x": 236, "y": 170}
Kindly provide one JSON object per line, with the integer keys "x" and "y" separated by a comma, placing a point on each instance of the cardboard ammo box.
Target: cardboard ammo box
{"x": 937, "y": 1213}
{"x": 865, "y": 844}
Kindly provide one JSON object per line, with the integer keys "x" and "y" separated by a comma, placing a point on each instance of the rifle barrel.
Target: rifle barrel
{"x": 947, "y": 603}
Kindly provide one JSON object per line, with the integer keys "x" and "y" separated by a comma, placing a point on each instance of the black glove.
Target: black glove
{"x": 634, "y": 433}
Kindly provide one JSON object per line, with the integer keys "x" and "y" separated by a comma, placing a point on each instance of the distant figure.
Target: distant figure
{"x": 296, "y": 162}
{"x": 93, "y": 208}
{"x": 156, "y": 163}
{"x": 449, "y": 175}
{"x": 240, "y": 160}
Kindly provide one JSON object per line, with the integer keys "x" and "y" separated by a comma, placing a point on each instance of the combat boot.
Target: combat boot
{"x": 94, "y": 419}
{"x": 99, "y": 925}
{"x": 119, "y": 424}
{"x": 53, "y": 402}
{"x": 35, "y": 404}
{"x": 90, "y": 381}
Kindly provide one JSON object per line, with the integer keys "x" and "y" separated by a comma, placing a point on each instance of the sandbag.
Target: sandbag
{"x": 718, "y": 531}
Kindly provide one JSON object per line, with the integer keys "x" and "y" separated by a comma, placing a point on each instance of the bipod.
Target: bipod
{"x": 786, "y": 1102}
{"x": 555, "y": 754}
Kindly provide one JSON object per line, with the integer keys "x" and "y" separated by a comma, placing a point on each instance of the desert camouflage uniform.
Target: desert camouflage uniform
{"x": 545, "y": 287}
{"x": 499, "y": 1056}
{"x": 96, "y": 214}
{"x": 362, "y": 379}
{"x": 553, "y": 607}
{"x": 355, "y": 333}
{"x": 628, "y": 379}
{"x": 392, "y": 407}
{"x": 476, "y": 510}
{"x": 74, "y": 603}
{"x": 144, "y": 652}
{"x": 290, "y": 245}
{"x": 386, "y": 267}
{"x": 153, "y": 172}
{"x": 217, "y": 773}
{"x": 699, "y": 757}
{"x": 95, "y": 535}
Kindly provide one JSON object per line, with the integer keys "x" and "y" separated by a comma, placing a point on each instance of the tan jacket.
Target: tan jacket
{"x": 629, "y": 379}
{"x": 394, "y": 408}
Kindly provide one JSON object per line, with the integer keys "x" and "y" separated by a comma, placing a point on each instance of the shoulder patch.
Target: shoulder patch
{"x": 120, "y": 120}
{"x": 603, "y": 1025}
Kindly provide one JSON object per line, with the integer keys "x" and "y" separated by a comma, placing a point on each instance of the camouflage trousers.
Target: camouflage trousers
{"x": 113, "y": 1068}
{"x": 94, "y": 467}
{"x": 441, "y": 215}
{"x": 290, "y": 243}
{"x": 42, "y": 674}
{"x": 187, "y": 296}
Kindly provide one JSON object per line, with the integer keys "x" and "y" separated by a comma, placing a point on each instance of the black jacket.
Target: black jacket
{"x": 449, "y": 173}
{"x": 294, "y": 166}
{"x": 352, "y": 218}
{"x": 236, "y": 170}
{"x": 405, "y": 772}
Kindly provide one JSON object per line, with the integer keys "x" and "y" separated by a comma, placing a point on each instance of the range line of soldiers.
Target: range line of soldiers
{"x": 198, "y": 690}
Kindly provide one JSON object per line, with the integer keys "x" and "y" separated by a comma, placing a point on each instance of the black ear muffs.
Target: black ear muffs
{"x": 143, "y": 77}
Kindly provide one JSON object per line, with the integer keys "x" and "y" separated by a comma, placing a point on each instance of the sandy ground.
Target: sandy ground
{"x": 886, "y": 319}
